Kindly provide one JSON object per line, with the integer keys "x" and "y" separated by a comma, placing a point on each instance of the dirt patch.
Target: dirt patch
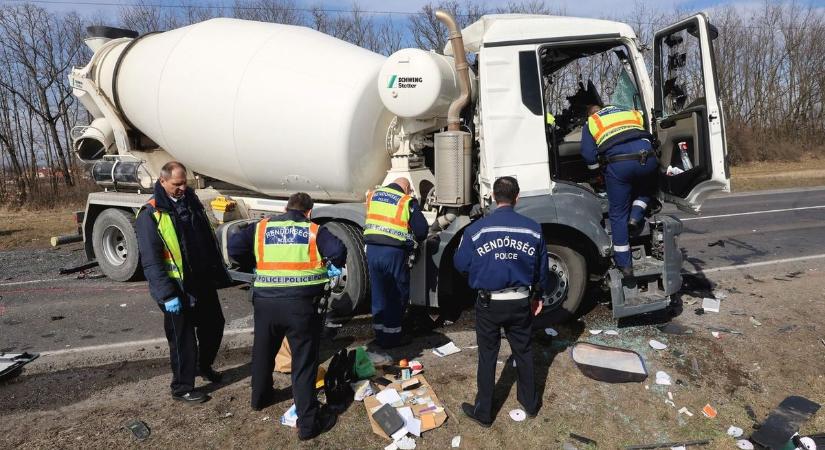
{"x": 23, "y": 229}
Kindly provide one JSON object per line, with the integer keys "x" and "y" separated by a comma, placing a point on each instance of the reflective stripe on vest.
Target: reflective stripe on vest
{"x": 286, "y": 255}
{"x": 172, "y": 257}
{"x": 388, "y": 214}
{"x": 612, "y": 121}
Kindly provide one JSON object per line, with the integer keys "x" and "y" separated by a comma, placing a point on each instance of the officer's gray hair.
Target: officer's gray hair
{"x": 168, "y": 168}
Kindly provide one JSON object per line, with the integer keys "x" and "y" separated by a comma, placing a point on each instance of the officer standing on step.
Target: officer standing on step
{"x": 183, "y": 266}
{"x": 290, "y": 257}
{"x": 394, "y": 225}
{"x": 619, "y": 139}
{"x": 506, "y": 259}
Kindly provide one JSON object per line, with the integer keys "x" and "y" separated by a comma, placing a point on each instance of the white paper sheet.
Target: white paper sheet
{"x": 388, "y": 396}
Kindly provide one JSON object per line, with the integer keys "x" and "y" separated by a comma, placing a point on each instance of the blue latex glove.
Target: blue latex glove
{"x": 333, "y": 271}
{"x": 173, "y": 306}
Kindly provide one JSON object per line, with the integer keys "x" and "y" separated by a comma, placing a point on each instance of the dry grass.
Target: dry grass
{"x": 806, "y": 172}
{"x": 23, "y": 229}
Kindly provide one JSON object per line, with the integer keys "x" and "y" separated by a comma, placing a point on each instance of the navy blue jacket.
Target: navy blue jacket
{"x": 503, "y": 250}
{"x": 417, "y": 223}
{"x": 241, "y": 248}
{"x": 202, "y": 263}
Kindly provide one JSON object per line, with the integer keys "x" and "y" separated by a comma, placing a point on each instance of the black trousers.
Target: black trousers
{"x": 516, "y": 319}
{"x": 194, "y": 337}
{"x": 299, "y": 321}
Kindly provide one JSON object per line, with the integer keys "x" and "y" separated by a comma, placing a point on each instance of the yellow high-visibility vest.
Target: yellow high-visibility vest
{"x": 286, "y": 255}
{"x": 172, "y": 257}
{"x": 611, "y": 121}
{"x": 388, "y": 214}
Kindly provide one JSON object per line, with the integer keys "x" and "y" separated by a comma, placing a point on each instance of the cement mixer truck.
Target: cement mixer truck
{"x": 257, "y": 111}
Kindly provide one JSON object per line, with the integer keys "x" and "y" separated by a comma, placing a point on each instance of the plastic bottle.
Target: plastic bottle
{"x": 683, "y": 150}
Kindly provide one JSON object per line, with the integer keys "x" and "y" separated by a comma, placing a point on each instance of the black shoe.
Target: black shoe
{"x": 532, "y": 414}
{"x": 469, "y": 411}
{"x": 211, "y": 375}
{"x": 323, "y": 423}
{"x": 267, "y": 399}
{"x": 634, "y": 226}
{"x": 404, "y": 340}
{"x": 627, "y": 272}
{"x": 191, "y": 397}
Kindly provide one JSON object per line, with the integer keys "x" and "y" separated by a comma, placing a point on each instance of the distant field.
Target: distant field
{"x": 33, "y": 229}
{"x": 778, "y": 175}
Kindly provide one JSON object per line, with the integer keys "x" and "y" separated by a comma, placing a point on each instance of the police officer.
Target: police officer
{"x": 618, "y": 137}
{"x": 290, "y": 257}
{"x": 506, "y": 259}
{"x": 181, "y": 261}
{"x": 394, "y": 224}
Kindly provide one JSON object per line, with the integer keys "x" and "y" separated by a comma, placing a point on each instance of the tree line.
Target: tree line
{"x": 770, "y": 66}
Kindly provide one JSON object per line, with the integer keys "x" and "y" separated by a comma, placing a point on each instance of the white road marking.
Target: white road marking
{"x": 753, "y": 212}
{"x": 146, "y": 342}
{"x": 756, "y": 264}
{"x": 16, "y": 283}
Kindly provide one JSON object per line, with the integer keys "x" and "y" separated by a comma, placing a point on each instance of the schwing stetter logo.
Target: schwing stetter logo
{"x": 394, "y": 81}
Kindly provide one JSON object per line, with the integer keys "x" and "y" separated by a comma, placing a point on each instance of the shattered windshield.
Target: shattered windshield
{"x": 625, "y": 94}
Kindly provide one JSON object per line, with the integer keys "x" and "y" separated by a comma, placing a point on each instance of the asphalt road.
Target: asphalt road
{"x": 43, "y": 312}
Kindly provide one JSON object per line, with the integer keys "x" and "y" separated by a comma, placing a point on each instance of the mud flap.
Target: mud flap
{"x": 657, "y": 276}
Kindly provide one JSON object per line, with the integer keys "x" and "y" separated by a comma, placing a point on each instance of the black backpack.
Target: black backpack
{"x": 337, "y": 381}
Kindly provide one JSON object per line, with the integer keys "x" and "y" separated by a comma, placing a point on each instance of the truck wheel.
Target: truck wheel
{"x": 352, "y": 293}
{"x": 115, "y": 244}
{"x": 568, "y": 278}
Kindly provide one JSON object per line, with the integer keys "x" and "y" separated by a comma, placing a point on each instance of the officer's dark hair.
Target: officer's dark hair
{"x": 299, "y": 201}
{"x": 168, "y": 168}
{"x": 505, "y": 190}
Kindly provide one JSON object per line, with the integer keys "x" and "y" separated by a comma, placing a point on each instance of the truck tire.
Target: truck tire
{"x": 568, "y": 272}
{"x": 352, "y": 295}
{"x": 115, "y": 244}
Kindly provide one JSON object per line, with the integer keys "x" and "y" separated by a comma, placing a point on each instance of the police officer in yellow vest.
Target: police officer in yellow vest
{"x": 290, "y": 255}
{"x": 619, "y": 138}
{"x": 394, "y": 222}
{"x": 181, "y": 262}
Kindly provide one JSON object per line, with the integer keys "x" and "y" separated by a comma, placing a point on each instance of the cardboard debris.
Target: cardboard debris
{"x": 431, "y": 413}
{"x": 456, "y": 442}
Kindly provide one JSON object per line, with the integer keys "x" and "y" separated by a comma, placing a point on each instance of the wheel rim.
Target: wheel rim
{"x": 341, "y": 286}
{"x": 114, "y": 246}
{"x": 559, "y": 281}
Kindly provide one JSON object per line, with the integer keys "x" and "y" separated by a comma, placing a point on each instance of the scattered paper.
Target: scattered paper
{"x": 657, "y": 345}
{"x": 551, "y": 332}
{"x": 709, "y": 411}
{"x": 735, "y": 432}
{"x": 720, "y": 295}
{"x": 755, "y": 322}
{"x": 670, "y": 402}
{"x": 518, "y": 415}
{"x": 123, "y": 305}
{"x": 363, "y": 389}
{"x": 595, "y": 332}
{"x": 662, "y": 378}
{"x": 685, "y": 411}
{"x": 388, "y": 396}
{"x": 456, "y": 442}
{"x": 391, "y": 446}
{"x": 681, "y": 447}
{"x": 402, "y": 432}
{"x": 711, "y": 305}
{"x": 379, "y": 359}
{"x": 744, "y": 444}
{"x": 412, "y": 424}
{"x": 715, "y": 334}
{"x": 673, "y": 170}
{"x": 405, "y": 443}
{"x": 446, "y": 349}
{"x": 290, "y": 417}
{"x": 669, "y": 395}
{"x": 612, "y": 332}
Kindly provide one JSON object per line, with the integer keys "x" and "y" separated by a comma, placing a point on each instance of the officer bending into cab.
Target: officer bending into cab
{"x": 619, "y": 139}
{"x": 506, "y": 259}
{"x": 290, "y": 256}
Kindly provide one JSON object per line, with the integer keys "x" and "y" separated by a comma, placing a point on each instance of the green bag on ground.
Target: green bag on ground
{"x": 362, "y": 367}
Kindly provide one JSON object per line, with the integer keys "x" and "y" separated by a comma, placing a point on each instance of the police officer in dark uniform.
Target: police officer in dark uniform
{"x": 393, "y": 225}
{"x": 182, "y": 263}
{"x": 290, "y": 255}
{"x": 506, "y": 259}
{"x": 619, "y": 138}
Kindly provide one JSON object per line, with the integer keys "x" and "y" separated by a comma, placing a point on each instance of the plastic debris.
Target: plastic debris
{"x": 744, "y": 444}
{"x": 709, "y": 411}
{"x": 662, "y": 378}
{"x": 669, "y": 395}
{"x": 551, "y": 332}
{"x": 720, "y": 295}
{"x": 735, "y": 432}
{"x": 715, "y": 334}
{"x": 806, "y": 443}
{"x": 680, "y": 447}
{"x": 518, "y": 415}
{"x": 685, "y": 411}
{"x": 405, "y": 443}
{"x": 755, "y": 322}
{"x": 123, "y": 305}
{"x": 670, "y": 402}
{"x": 290, "y": 417}
{"x": 611, "y": 333}
{"x": 139, "y": 429}
{"x": 363, "y": 389}
{"x": 456, "y": 442}
{"x": 608, "y": 364}
{"x": 657, "y": 345}
{"x": 379, "y": 359}
{"x": 595, "y": 332}
{"x": 446, "y": 349}
{"x": 711, "y": 305}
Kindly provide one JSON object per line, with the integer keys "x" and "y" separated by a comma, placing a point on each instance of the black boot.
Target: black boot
{"x": 627, "y": 272}
{"x": 634, "y": 226}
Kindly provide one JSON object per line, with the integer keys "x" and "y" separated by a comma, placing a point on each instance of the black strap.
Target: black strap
{"x": 641, "y": 157}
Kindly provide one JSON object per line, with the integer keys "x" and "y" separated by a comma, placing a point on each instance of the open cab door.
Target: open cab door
{"x": 688, "y": 116}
